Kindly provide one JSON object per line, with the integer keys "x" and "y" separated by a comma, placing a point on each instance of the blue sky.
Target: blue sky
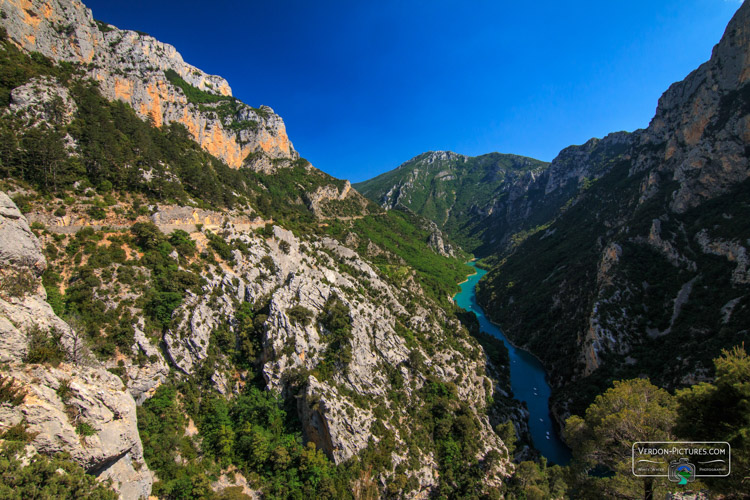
{"x": 365, "y": 86}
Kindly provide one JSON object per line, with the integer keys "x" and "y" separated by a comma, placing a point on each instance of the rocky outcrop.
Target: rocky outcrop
{"x": 23, "y": 304}
{"x": 299, "y": 277}
{"x": 77, "y": 406}
{"x": 734, "y": 252}
{"x": 322, "y": 201}
{"x": 438, "y": 243}
{"x": 130, "y": 66}
{"x": 702, "y": 122}
{"x": 20, "y": 249}
{"x": 43, "y": 100}
{"x": 94, "y": 420}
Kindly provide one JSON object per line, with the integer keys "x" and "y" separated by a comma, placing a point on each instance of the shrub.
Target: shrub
{"x": 9, "y": 393}
{"x": 268, "y": 263}
{"x": 19, "y": 284}
{"x": 181, "y": 241}
{"x": 44, "y": 347}
{"x": 63, "y": 391}
{"x": 85, "y": 429}
{"x": 299, "y": 315}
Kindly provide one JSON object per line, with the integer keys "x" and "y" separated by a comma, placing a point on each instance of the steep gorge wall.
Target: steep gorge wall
{"x": 130, "y": 66}
{"x": 648, "y": 256}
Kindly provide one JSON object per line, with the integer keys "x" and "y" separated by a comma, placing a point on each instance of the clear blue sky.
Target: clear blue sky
{"x": 364, "y": 86}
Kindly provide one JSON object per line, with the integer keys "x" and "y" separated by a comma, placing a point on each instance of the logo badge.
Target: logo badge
{"x": 681, "y": 471}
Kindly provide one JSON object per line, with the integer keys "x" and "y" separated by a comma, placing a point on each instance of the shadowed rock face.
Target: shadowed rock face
{"x": 651, "y": 258}
{"x": 95, "y": 397}
{"x": 702, "y": 122}
{"x": 130, "y": 67}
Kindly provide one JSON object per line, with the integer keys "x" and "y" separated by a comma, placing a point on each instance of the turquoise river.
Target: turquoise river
{"x": 527, "y": 378}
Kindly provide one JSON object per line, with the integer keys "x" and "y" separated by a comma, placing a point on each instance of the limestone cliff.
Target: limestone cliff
{"x": 133, "y": 67}
{"x": 338, "y": 410}
{"x": 198, "y": 287}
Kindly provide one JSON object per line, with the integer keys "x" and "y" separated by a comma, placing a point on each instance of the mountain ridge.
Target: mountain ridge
{"x": 560, "y": 248}
{"x": 648, "y": 255}
{"x": 133, "y": 67}
{"x": 441, "y": 186}
{"x": 263, "y": 327}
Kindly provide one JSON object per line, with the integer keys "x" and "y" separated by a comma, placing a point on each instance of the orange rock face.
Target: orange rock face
{"x": 123, "y": 89}
{"x": 129, "y": 67}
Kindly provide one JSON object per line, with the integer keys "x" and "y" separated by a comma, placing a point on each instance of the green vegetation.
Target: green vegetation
{"x": 405, "y": 249}
{"x": 225, "y": 107}
{"x": 718, "y": 411}
{"x": 9, "y": 393}
{"x": 44, "y": 477}
{"x": 168, "y": 451}
{"x": 253, "y": 432}
{"x": 635, "y": 410}
{"x": 299, "y": 315}
{"x": 85, "y": 429}
{"x": 193, "y": 94}
{"x": 537, "y": 481}
{"x": 41, "y": 476}
{"x": 337, "y": 324}
{"x": 453, "y": 428}
{"x": 545, "y": 289}
{"x": 156, "y": 277}
{"x": 44, "y": 347}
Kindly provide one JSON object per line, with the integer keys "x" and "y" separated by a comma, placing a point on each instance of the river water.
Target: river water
{"x": 527, "y": 378}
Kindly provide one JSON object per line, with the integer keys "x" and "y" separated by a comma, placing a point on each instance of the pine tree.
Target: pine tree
{"x": 632, "y": 410}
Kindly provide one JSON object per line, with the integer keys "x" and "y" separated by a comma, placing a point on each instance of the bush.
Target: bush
{"x": 182, "y": 242}
{"x": 44, "y": 347}
{"x": 63, "y": 391}
{"x": 299, "y": 315}
{"x": 147, "y": 235}
{"x": 9, "y": 393}
{"x": 85, "y": 429}
{"x": 19, "y": 284}
{"x": 44, "y": 477}
{"x": 162, "y": 304}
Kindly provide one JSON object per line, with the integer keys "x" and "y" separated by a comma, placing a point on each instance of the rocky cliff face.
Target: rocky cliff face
{"x": 338, "y": 410}
{"x": 133, "y": 67}
{"x": 77, "y": 393}
{"x": 646, "y": 259}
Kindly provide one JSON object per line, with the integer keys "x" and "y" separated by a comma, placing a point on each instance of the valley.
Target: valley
{"x": 190, "y": 309}
{"x": 528, "y": 379}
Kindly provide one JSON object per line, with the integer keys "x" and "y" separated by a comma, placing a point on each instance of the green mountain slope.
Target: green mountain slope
{"x": 456, "y": 192}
